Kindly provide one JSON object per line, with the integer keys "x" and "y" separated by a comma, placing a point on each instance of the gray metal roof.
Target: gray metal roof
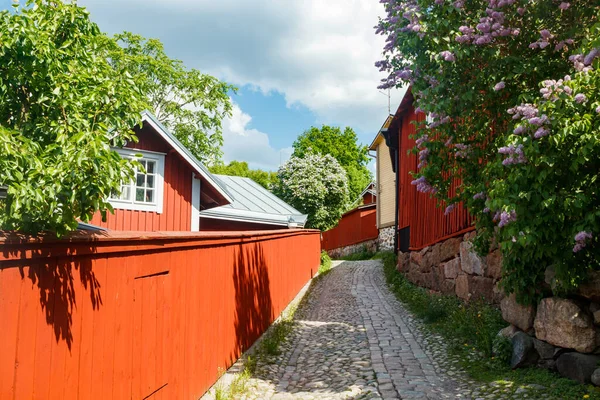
{"x": 253, "y": 203}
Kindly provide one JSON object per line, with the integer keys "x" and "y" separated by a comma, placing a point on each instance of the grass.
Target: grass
{"x": 471, "y": 333}
{"x": 363, "y": 254}
{"x": 325, "y": 263}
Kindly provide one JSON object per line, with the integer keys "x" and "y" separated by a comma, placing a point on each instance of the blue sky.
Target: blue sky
{"x": 297, "y": 63}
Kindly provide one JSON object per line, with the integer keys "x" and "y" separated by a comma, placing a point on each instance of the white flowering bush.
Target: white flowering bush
{"x": 315, "y": 185}
{"x": 511, "y": 87}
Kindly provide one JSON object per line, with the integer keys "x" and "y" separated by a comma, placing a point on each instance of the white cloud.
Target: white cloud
{"x": 317, "y": 53}
{"x": 250, "y": 145}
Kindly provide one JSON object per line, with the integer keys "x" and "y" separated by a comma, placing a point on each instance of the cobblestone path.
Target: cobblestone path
{"x": 354, "y": 340}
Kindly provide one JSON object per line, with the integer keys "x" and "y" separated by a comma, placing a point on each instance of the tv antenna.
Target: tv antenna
{"x": 389, "y": 96}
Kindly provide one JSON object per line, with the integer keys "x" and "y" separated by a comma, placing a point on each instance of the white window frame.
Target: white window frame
{"x": 159, "y": 159}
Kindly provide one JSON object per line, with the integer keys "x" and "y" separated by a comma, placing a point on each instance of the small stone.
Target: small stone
{"x": 517, "y": 314}
{"x": 562, "y": 323}
{"x": 508, "y": 332}
{"x": 545, "y": 350}
{"x": 577, "y": 366}
{"x": 524, "y": 352}
{"x": 451, "y": 268}
{"x": 470, "y": 262}
{"x": 596, "y": 377}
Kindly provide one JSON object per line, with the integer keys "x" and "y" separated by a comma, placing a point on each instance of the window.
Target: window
{"x": 145, "y": 191}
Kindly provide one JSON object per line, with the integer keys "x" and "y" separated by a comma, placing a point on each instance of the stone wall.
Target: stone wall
{"x": 385, "y": 242}
{"x": 453, "y": 267}
{"x": 560, "y": 334}
{"x": 369, "y": 245}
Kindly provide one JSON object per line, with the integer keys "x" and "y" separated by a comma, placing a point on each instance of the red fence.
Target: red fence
{"x": 140, "y": 316}
{"x": 356, "y": 226}
{"x": 419, "y": 211}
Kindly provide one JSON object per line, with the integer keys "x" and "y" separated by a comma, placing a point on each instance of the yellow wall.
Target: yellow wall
{"x": 386, "y": 187}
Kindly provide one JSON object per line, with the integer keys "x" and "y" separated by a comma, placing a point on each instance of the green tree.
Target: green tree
{"x": 191, "y": 104}
{"x": 63, "y": 105}
{"x": 343, "y": 146}
{"x": 316, "y": 185}
{"x": 266, "y": 179}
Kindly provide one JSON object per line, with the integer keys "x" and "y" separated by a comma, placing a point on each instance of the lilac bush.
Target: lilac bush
{"x": 519, "y": 82}
{"x": 316, "y": 185}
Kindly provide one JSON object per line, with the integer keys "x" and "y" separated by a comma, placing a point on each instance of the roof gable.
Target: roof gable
{"x": 212, "y": 190}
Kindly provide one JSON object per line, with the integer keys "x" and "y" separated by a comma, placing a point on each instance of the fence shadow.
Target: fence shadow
{"x": 253, "y": 304}
{"x": 55, "y": 278}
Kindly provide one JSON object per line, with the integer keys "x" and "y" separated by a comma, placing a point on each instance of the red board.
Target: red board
{"x": 356, "y": 226}
{"x": 129, "y": 315}
{"x": 420, "y": 211}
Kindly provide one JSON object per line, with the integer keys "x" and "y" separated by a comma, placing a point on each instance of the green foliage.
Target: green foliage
{"x": 325, "y": 263}
{"x": 343, "y": 146}
{"x": 266, "y": 179}
{"x": 543, "y": 190}
{"x": 502, "y": 349}
{"x": 63, "y": 106}
{"x": 191, "y": 104}
{"x": 362, "y": 254}
{"x": 470, "y": 330}
{"x": 315, "y": 185}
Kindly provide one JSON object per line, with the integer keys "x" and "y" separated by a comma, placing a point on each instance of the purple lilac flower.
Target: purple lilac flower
{"x": 519, "y": 129}
{"x": 449, "y": 209}
{"x": 479, "y": 196}
{"x": 545, "y": 34}
{"x": 580, "y": 98}
{"x": 507, "y": 217}
{"x": 598, "y": 109}
{"x": 447, "y": 56}
{"x": 541, "y": 132}
{"x": 462, "y": 150}
{"x": 564, "y": 5}
{"x": 486, "y": 210}
{"x": 521, "y": 11}
{"x": 422, "y": 140}
{"x": 515, "y": 154}
{"x": 499, "y": 86}
{"x": 553, "y": 88}
{"x": 577, "y": 60}
{"x": 538, "y": 120}
{"x": 423, "y": 186}
{"x": 591, "y": 56}
{"x": 580, "y": 240}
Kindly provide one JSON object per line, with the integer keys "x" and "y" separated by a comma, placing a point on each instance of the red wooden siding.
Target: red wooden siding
{"x": 122, "y": 316}
{"x": 369, "y": 198}
{"x": 419, "y": 211}
{"x": 177, "y": 200}
{"x": 356, "y": 226}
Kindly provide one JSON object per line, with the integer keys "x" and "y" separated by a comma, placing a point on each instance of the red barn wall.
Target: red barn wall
{"x": 177, "y": 200}
{"x": 420, "y": 211}
{"x": 125, "y": 315}
{"x": 356, "y": 226}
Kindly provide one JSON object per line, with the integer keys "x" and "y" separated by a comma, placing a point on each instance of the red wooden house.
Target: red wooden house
{"x": 170, "y": 193}
{"x": 420, "y": 219}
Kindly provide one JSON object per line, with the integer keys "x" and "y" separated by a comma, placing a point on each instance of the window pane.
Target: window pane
{"x": 143, "y": 162}
{"x": 150, "y": 181}
{"x": 125, "y": 193}
{"x": 139, "y": 194}
{"x": 149, "y": 196}
{"x": 150, "y": 167}
{"x": 140, "y": 180}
